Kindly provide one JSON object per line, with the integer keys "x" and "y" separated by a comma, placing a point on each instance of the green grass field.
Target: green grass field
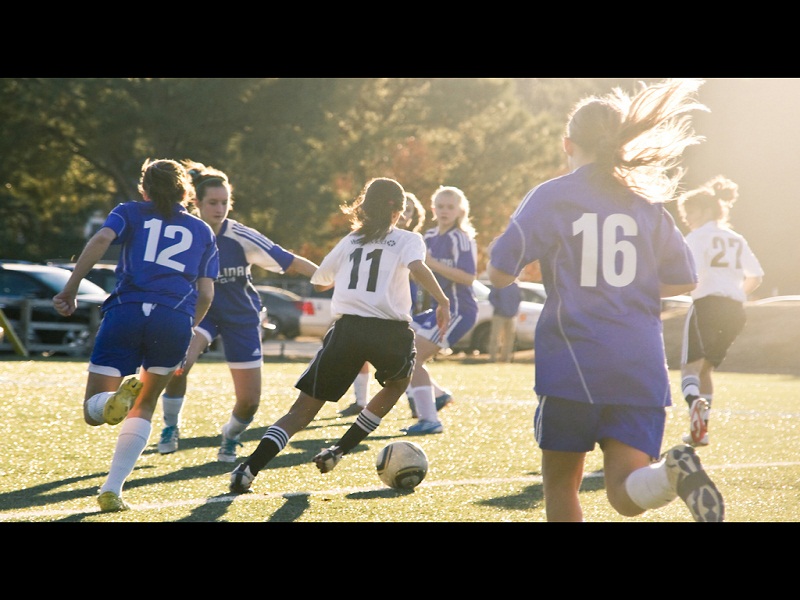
{"x": 485, "y": 467}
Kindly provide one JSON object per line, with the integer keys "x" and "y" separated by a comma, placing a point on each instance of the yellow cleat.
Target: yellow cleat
{"x": 120, "y": 403}
{"x": 110, "y": 502}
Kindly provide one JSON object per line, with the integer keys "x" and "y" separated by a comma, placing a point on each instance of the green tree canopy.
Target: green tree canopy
{"x": 295, "y": 149}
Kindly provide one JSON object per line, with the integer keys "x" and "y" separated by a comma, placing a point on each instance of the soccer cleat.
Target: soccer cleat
{"x": 110, "y": 502}
{"x": 698, "y": 423}
{"x": 227, "y": 450}
{"x": 693, "y": 485}
{"x": 241, "y": 478}
{"x": 423, "y": 427}
{"x": 442, "y": 401}
{"x": 169, "y": 439}
{"x": 687, "y": 439}
{"x": 120, "y": 402}
{"x": 351, "y": 410}
{"x": 327, "y": 459}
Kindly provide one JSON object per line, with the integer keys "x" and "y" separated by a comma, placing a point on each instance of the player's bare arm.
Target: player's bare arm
{"x": 425, "y": 277}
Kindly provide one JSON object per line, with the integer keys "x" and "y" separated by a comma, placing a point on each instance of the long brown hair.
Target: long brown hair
{"x": 166, "y": 183}
{"x": 204, "y": 177}
{"x": 716, "y": 195}
{"x": 639, "y": 140}
{"x": 372, "y": 213}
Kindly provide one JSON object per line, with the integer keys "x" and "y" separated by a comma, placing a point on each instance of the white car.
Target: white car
{"x": 532, "y": 292}
{"x": 477, "y": 339}
{"x": 316, "y": 320}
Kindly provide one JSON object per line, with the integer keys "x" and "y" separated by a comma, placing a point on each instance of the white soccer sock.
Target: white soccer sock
{"x": 690, "y": 386}
{"x": 96, "y": 404}
{"x": 424, "y": 403}
{"x": 361, "y": 389}
{"x": 133, "y": 435}
{"x": 234, "y": 427}
{"x": 172, "y": 409}
{"x": 438, "y": 390}
{"x": 649, "y": 486}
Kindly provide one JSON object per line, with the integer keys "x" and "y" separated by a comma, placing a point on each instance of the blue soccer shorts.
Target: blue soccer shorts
{"x": 424, "y": 324}
{"x": 136, "y": 334}
{"x": 569, "y": 426}
{"x": 241, "y": 343}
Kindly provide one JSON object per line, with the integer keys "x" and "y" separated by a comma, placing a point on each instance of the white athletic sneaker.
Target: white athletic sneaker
{"x": 698, "y": 423}
{"x": 227, "y": 449}
{"x": 169, "y": 439}
{"x": 693, "y": 485}
{"x": 423, "y": 427}
{"x": 687, "y": 439}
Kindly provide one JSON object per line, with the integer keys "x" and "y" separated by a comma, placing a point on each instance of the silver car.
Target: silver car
{"x": 316, "y": 319}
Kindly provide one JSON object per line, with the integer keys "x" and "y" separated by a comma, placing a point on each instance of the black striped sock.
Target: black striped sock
{"x": 365, "y": 424}
{"x": 274, "y": 440}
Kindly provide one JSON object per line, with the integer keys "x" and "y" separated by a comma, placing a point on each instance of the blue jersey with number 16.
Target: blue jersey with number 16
{"x": 161, "y": 259}
{"x": 604, "y": 253}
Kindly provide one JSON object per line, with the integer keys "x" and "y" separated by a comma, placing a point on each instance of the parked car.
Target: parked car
{"x": 103, "y": 274}
{"x": 776, "y": 299}
{"x": 532, "y": 292}
{"x": 535, "y": 292}
{"x": 316, "y": 320}
{"x": 47, "y": 332}
{"x": 283, "y": 312}
{"x": 682, "y": 302}
{"x": 477, "y": 339}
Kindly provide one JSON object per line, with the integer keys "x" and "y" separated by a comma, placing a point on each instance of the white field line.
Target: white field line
{"x": 255, "y": 497}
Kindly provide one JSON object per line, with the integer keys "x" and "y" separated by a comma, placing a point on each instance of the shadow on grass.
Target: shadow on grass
{"x": 254, "y": 434}
{"x": 53, "y": 492}
{"x": 533, "y": 495}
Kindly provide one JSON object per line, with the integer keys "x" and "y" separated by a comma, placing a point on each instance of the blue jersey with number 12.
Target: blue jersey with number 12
{"x": 604, "y": 253}
{"x": 161, "y": 259}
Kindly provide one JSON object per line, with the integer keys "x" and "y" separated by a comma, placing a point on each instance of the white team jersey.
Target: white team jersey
{"x": 372, "y": 280}
{"x": 723, "y": 259}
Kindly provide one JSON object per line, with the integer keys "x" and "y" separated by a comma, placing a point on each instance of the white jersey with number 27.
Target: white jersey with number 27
{"x": 723, "y": 260}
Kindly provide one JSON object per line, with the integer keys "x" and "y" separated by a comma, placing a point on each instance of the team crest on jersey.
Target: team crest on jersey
{"x": 357, "y": 242}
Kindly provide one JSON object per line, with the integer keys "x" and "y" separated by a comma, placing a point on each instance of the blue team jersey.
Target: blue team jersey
{"x": 455, "y": 249}
{"x": 236, "y": 300}
{"x": 161, "y": 259}
{"x": 603, "y": 254}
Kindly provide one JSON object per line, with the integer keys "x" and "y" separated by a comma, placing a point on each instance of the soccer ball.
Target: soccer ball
{"x": 402, "y": 465}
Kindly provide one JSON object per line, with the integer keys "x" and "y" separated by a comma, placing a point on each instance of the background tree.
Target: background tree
{"x": 294, "y": 148}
